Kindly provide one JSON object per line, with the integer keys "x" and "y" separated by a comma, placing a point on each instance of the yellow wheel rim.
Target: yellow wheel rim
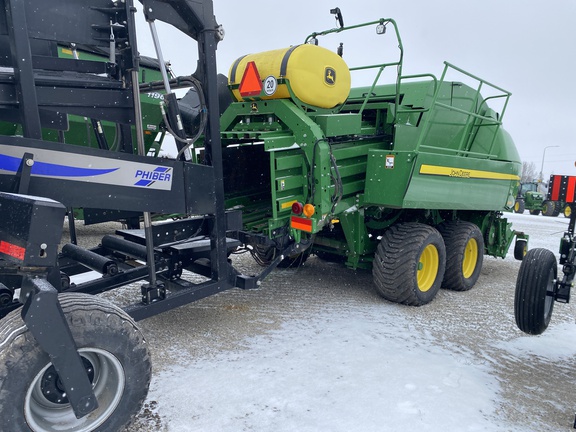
{"x": 470, "y": 258}
{"x": 428, "y": 268}
{"x": 567, "y": 211}
{"x": 516, "y": 206}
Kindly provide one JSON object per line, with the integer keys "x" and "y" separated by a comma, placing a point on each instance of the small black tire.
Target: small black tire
{"x": 464, "y": 254}
{"x": 532, "y": 303}
{"x": 549, "y": 208}
{"x": 409, "y": 264}
{"x": 519, "y": 206}
{"x": 520, "y": 249}
{"x": 106, "y": 337}
{"x": 535, "y": 212}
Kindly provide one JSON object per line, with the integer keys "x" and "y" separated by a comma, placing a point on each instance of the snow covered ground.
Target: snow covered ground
{"x": 315, "y": 349}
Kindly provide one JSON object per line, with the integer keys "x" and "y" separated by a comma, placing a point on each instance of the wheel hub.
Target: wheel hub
{"x": 428, "y": 267}
{"x": 51, "y": 385}
{"x": 470, "y": 258}
{"x": 5, "y": 296}
{"x": 46, "y": 405}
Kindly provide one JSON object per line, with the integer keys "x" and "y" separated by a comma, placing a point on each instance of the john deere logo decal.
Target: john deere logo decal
{"x": 330, "y": 76}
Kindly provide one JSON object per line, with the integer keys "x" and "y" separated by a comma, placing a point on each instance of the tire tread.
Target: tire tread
{"x": 529, "y": 298}
{"x": 390, "y": 265}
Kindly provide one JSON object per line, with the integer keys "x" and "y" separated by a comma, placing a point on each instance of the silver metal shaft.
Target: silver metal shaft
{"x": 142, "y": 151}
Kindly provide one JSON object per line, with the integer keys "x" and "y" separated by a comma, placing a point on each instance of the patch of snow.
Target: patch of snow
{"x": 358, "y": 371}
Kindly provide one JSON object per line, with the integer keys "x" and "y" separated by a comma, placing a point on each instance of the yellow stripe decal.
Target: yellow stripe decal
{"x": 287, "y": 204}
{"x": 465, "y": 173}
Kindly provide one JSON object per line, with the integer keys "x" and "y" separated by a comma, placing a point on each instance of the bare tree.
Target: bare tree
{"x": 529, "y": 173}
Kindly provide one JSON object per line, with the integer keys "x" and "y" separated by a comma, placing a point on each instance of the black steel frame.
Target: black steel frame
{"x": 40, "y": 91}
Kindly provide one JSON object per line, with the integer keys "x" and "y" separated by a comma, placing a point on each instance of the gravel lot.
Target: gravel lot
{"x": 536, "y": 392}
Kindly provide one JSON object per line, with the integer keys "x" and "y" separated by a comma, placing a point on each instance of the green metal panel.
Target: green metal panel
{"x": 339, "y": 124}
{"x": 288, "y": 185}
{"x": 432, "y": 181}
{"x": 358, "y": 239}
{"x": 458, "y": 183}
{"x": 387, "y": 177}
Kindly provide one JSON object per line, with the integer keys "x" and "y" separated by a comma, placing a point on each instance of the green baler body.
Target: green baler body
{"x": 443, "y": 156}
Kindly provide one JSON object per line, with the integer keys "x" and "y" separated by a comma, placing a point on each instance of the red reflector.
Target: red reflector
{"x": 556, "y": 183}
{"x": 297, "y": 208}
{"x": 251, "y": 84}
{"x": 570, "y": 195}
{"x": 301, "y": 223}
{"x": 12, "y": 250}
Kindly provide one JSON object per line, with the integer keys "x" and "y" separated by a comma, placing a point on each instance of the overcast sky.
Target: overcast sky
{"x": 527, "y": 47}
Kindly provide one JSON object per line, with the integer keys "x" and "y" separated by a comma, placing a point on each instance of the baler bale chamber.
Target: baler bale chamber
{"x": 353, "y": 171}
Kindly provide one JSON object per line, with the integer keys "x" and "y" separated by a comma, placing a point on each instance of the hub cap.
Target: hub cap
{"x": 470, "y": 258}
{"x": 46, "y": 406}
{"x": 428, "y": 268}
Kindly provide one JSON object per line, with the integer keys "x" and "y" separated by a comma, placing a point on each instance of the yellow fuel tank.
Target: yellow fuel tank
{"x": 317, "y": 76}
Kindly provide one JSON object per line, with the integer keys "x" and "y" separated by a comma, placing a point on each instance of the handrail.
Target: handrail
{"x": 417, "y": 110}
{"x": 467, "y": 152}
{"x": 456, "y": 68}
{"x": 472, "y": 113}
{"x": 474, "y": 117}
{"x": 463, "y": 111}
{"x": 381, "y": 22}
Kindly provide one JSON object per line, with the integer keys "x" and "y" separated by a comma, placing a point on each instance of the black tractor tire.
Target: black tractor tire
{"x": 519, "y": 206}
{"x": 115, "y": 355}
{"x": 464, "y": 254}
{"x": 409, "y": 264}
{"x": 532, "y": 305}
{"x": 535, "y": 212}
{"x": 549, "y": 209}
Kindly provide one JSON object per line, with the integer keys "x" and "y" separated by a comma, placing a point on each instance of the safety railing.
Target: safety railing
{"x": 474, "y": 121}
{"x": 381, "y": 25}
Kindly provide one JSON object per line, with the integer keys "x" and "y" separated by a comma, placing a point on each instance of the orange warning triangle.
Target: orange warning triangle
{"x": 251, "y": 84}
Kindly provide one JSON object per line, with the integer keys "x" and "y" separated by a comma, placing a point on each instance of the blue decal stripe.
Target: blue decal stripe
{"x": 162, "y": 169}
{"x": 11, "y": 163}
{"x": 48, "y": 169}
